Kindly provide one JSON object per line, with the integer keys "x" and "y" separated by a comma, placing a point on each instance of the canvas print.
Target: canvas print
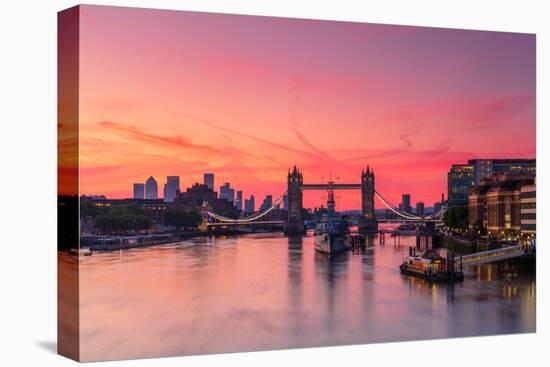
{"x": 231, "y": 183}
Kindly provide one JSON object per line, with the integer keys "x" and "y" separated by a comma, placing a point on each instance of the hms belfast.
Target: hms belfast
{"x": 331, "y": 234}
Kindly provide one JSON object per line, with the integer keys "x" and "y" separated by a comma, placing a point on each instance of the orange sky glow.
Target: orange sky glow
{"x": 182, "y": 93}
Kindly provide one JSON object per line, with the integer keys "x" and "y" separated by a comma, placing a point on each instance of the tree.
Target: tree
{"x": 91, "y": 209}
{"x": 181, "y": 218}
{"x": 456, "y": 217}
{"x": 123, "y": 219}
{"x": 175, "y": 217}
{"x": 194, "y": 219}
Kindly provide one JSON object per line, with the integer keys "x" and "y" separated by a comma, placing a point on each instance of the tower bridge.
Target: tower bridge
{"x": 296, "y": 186}
{"x": 294, "y": 223}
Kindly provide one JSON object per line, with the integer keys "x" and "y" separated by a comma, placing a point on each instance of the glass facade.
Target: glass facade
{"x": 460, "y": 179}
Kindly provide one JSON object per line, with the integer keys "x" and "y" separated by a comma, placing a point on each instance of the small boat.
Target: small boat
{"x": 331, "y": 234}
{"x": 430, "y": 266}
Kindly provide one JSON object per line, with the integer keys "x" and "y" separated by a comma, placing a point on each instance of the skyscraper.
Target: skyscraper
{"x": 487, "y": 167}
{"x": 151, "y": 188}
{"x": 420, "y": 209}
{"x": 406, "y": 203}
{"x": 462, "y": 177}
{"x": 209, "y": 180}
{"x": 285, "y": 202}
{"x": 139, "y": 191}
{"x": 239, "y": 200}
{"x": 249, "y": 205}
{"x": 171, "y": 188}
{"x": 227, "y": 193}
{"x": 267, "y": 203}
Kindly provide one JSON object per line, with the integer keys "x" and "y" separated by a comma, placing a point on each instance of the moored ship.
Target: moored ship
{"x": 431, "y": 266}
{"x": 331, "y": 234}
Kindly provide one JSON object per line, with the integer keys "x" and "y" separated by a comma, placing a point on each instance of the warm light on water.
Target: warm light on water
{"x": 267, "y": 291}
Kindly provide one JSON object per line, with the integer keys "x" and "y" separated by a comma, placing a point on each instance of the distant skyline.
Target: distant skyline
{"x": 183, "y": 93}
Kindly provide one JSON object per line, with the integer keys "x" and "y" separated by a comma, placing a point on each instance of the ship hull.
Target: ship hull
{"x": 433, "y": 277}
{"x": 328, "y": 244}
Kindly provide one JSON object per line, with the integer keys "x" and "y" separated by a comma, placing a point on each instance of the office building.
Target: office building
{"x": 406, "y": 203}
{"x": 528, "y": 201}
{"x": 485, "y": 168}
{"x": 239, "y": 200}
{"x": 171, "y": 188}
{"x": 151, "y": 188}
{"x": 462, "y": 177}
{"x": 227, "y": 193}
{"x": 154, "y": 209}
{"x": 267, "y": 203}
{"x": 495, "y": 204}
{"x": 249, "y": 205}
{"x": 139, "y": 191}
{"x": 198, "y": 197}
{"x": 209, "y": 180}
{"x": 420, "y": 209}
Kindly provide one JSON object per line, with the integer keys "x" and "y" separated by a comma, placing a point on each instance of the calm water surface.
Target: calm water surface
{"x": 267, "y": 291}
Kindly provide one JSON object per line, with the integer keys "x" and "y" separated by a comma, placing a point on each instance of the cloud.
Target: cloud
{"x": 252, "y": 137}
{"x": 492, "y": 112}
{"x": 478, "y": 113}
{"x": 405, "y": 138}
{"x": 172, "y": 141}
{"x": 315, "y": 156}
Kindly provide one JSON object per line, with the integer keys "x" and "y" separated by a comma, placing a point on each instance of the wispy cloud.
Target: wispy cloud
{"x": 280, "y": 146}
{"x": 172, "y": 141}
{"x": 492, "y": 112}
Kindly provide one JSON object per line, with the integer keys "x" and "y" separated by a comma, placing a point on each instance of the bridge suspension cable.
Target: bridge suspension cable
{"x": 439, "y": 214}
{"x": 393, "y": 209}
{"x": 277, "y": 202}
{"x": 250, "y": 218}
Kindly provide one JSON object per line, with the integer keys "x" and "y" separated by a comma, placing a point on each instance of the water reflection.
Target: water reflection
{"x": 267, "y": 291}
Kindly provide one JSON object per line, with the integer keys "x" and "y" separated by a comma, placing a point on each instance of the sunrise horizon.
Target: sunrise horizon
{"x": 178, "y": 97}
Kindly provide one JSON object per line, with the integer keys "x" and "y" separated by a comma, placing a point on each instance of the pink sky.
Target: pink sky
{"x": 182, "y": 93}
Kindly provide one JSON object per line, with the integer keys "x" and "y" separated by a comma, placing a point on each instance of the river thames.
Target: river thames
{"x": 268, "y": 291}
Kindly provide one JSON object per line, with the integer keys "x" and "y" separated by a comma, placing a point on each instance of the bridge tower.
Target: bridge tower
{"x": 295, "y": 222}
{"x": 367, "y": 223}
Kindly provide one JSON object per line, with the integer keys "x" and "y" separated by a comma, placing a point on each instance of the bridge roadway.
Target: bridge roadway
{"x": 349, "y": 220}
{"x": 334, "y": 186}
{"x": 408, "y": 220}
{"x": 217, "y": 224}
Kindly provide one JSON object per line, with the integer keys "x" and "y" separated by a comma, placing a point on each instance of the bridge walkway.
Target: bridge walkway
{"x": 492, "y": 255}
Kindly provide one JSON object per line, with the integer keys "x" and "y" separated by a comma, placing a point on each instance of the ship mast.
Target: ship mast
{"x": 330, "y": 197}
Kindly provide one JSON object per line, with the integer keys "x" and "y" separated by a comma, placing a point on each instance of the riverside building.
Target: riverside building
{"x": 462, "y": 177}
{"x": 495, "y": 204}
{"x": 528, "y": 200}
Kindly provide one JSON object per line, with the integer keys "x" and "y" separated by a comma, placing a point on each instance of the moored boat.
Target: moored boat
{"x": 331, "y": 234}
{"x": 430, "y": 266}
